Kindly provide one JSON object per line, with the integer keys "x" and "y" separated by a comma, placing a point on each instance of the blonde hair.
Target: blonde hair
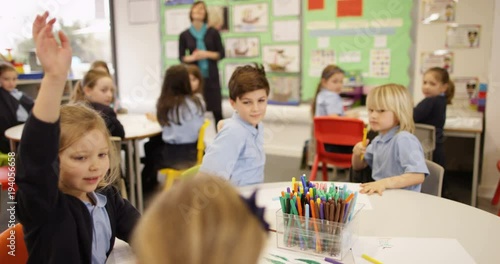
{"x": 200, "y": 220}
{"x": 76, "y": 121}
{"x": 395, "y": 98}
{"x": 89, "y": 80}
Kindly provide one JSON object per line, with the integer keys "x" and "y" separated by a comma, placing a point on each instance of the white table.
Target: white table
{"x": 136, "y": 127}
{"x": 460, "y": 122}
{"x": 402, "y": 213}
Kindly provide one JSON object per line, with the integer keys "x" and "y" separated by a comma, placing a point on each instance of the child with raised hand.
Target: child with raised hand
{"x": 215, "y": 225}
{"x": 438, "y": 90}
{"x": 96, "y": 88}
{"x": 395, "y": 155}
{"x": 237, "y": 153}
{"x": 14, "y": 104}
{"x": 66, "y": 160}
{"x": 181, "y": 115}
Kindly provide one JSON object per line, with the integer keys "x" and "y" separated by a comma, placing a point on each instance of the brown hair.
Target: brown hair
{"x": 395, "y": 98}
{"x": 5, "y": 67}
{"x": 443, "y": 76}
{"x": 174, "y": 91}
{"x": 76, "y": 120}
{"x": 247, "y": 79}
{"x": 205, "y": 20}
{"x": 99, "y": 64}
{"x": 328, "y": 72}
{"x": 89, "y": 80}
{"x": 195, "y": 71}
{"x": 200, "y": 220}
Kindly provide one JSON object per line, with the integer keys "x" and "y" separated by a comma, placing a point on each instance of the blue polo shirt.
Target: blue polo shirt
{"x": 101, "y": 227}
{"x": 328, "y": 103}
{"x": 396, "y": 153}
{"x": 237, "y": 153}
{"x": 191, "y": 119}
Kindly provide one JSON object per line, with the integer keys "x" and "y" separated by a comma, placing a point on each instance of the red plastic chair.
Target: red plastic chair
{"x": 497, "y": 192}
{"x": 339, "y": 131}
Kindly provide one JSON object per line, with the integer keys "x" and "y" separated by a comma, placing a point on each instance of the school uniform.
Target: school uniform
{"x": 112, "y": 123}
{"x": 237, "y": 153}
{"x": 432, "y": 111}
{"x": 14, "y": 109}
{"x": 60, "y": 228}
{"x": 328, "y": 103}
{"x": 396, "y": 153}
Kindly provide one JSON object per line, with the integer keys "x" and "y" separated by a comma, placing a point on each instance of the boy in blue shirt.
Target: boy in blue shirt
{"x": 237, "y": 153}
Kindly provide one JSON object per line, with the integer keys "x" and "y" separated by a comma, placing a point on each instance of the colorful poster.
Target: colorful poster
{"x": 441, "y": 58}
{"x": 281, "y": 58}
{"x": 465, "y": 88}
{"x": 463, "y": 36}
{"x": 438, "y": 11}
{"x": 320, "y": 58}
{"x": 380, "y": 63}
{"x": 349, "y": 8}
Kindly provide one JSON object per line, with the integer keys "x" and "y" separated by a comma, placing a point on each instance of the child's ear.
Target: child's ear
{"x": 232, "y": 102}
{"x": 86, "y": 90}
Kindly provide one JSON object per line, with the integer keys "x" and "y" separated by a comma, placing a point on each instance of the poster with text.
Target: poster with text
{"x": 438, "y": 11}
{"x": 463, "y": 36}
{"x": 441, "y": 58}
{"x": 380, "y": 63}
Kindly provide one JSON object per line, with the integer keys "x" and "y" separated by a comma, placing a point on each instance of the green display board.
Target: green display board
{"x": 295, "y": 43}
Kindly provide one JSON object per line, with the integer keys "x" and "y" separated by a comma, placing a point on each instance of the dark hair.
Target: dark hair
{"x": 174, "y": 91}
{"x": 328, "y": 72}
{"x": 195, "y": 71}
{"x": 205, "y": 20}
{"x": 246, "y": 79}
{"x": 442, "y": 76}
{"x": 100, "y": 63}
{"x": 5, "y": 67}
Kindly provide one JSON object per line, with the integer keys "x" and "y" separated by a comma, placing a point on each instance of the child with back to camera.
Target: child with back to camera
{"x": 66, "y": 161}
{"x": 181, "y": 115}
{"x": 395, "y": 155}
{"x": 14, "y": 104}
{"x": 96, "y": 88}
{"x": 438, "y": 90}
{"x": 237, "y": 153}
{"x": 200, "y": 220}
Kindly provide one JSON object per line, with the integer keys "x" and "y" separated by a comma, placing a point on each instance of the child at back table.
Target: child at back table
{"x": 68, "y": 211}
{"x": 200, "y": 220}
{"x": 395, "y": 155}
{"x": 438, "y": 90}
{"x": 14, "y": 104}
{"x": 237, "y": 153}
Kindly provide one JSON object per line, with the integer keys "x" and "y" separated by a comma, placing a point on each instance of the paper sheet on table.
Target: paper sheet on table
{"x": 410, "y": 250}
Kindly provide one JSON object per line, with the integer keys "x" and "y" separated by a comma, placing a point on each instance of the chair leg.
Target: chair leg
{"x": 314, "y": 168}
{"x": 324, "y": 168}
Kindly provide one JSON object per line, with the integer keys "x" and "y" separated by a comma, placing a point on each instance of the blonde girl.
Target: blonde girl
{"x": 395, "y": 155}
{"x": 66, "y": 164}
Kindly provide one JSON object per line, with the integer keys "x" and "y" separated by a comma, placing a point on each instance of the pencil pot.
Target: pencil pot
{"x": 314, "y": 236}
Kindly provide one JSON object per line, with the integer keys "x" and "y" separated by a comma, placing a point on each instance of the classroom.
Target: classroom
{"x": 375, "y": 42}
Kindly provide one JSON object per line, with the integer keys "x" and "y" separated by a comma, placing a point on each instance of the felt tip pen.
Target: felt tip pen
{"x": 370, "y": 259}
{"x": 330, "y": 260}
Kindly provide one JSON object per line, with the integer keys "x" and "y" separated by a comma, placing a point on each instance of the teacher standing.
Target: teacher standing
{"x": 205, "y": 49}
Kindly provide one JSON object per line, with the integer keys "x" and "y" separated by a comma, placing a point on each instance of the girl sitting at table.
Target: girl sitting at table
{"x": 196, "y": 80}
{"x": 200, "y": 220}
{"x": 395, "y": 155}
{"x": 14, "y": 104}
{"x": 96, "y": 89}
{"x": 181, "y": 114}
{"x": 68, "y": 211}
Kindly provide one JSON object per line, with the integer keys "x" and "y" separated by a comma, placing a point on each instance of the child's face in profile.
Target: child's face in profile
{"x": 8, "y": 80}
{"x": 251, "y": 106}
{"x": 83, "y": 164}
{"x": 432, "y": 86}
{"x": 334, "y": 83}
{"x": 102, "y": 93}
{"x": 195, "y": 83}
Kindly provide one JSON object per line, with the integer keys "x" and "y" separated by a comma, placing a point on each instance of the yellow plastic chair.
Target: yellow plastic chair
{"x": 4, "y": 158}
{"x": 172, "y": 174}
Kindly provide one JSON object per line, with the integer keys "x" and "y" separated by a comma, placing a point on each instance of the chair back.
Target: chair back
{"x": 120, "y": 181}
{"x": 426, "y": 134}
{"x": 433, "y": 183}
{"x": 15, "y": 234}
{"x": 341, "y": 132}
{"x": 201, "y": 142}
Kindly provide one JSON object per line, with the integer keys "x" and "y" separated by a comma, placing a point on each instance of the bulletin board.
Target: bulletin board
{"x": 295, "y": 39}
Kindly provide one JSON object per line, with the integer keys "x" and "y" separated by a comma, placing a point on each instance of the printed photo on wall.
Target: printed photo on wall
{"x": 465, "y": 88}
{"x": 438, "y": 11}
{"x": 179, "y": 2}
{"x": 250, "y": 18}
{"x": 439, "y": 58}
{"x": 284, "y": 90}
{"x": 242, "y": 47}
{"x": 463, "y": 36}
{"x": 281, "y": 58}
{"x": 218, "y": 17}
